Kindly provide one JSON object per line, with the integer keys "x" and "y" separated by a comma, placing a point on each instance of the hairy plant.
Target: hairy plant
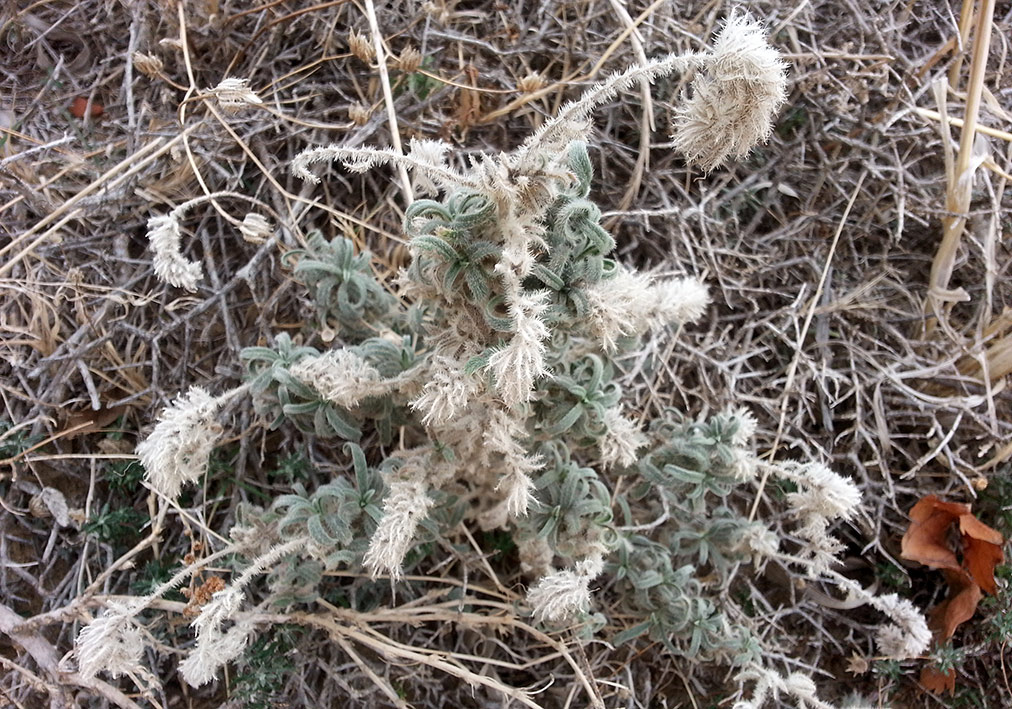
{"x": 486, "y": 392}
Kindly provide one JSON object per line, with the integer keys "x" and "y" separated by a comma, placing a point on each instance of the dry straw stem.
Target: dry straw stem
{"x": 388, "y": 96}
{"x": 960, "y": 180}
{"x": 360, "y": 627}
{"x": 959, "y": 123}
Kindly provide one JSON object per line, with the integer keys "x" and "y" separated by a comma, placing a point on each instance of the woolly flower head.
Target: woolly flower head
{"x": 340, "y": 376}
{"x": 216, "y": 648}
{"x": 824, "y": 494}
{"x": 760, "y": 542}
{"x": 629, "y": 304}
{"x": 214, "y": 652}
{"x": 770, "y": 682}
{"x": 503, "y": 451}
{"x": 165, "y": 241}
{"x": 111, "y": 642}
{"x": 447, "y": 391}
{"x": 519, "y": 492}
{"x": 233, "y": 94}
{"x": 519, "y": 364}
{"x": 747, "y": 425}
{"x": 618, "y": 306}
{"x": 406, "y": 504}
{"x": 677, "y": 301}
{"x": 560, "y": 595}
{"x": 621, "y": 439}
{"x": 734, "y": 101}
{"x": 177, "y": 450}
{"x": 908, "y": 635}
{"x": 427, "y": 152}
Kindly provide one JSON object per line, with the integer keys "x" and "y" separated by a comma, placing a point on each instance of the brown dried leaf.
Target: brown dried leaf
{"x": 958, "y": 607}
{"x": 924, "y": 541}
{"x": 84, "y": 422}
{"x": 934, "y": 680}
{"x": 981, "y": 556}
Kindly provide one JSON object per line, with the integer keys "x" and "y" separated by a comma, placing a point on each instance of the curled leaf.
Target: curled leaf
{"x": 958, "y": 607}
{"x": 925, "y": 541}
{"x": 982, "y": 551}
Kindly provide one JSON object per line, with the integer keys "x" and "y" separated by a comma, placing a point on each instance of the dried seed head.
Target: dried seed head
{"x": 234, "y": 94}
{"x": 165, "y": 240}
{"x": 50, "y": 502}
{"x": 410, "y": 60}
{"x": 148, "y": 64}
{"x": 531, "y": 83}
{"x": 361, "y": 47}
{"x": 255, "y": 228}
{"x": 358, "y": 113}
{"x": 733, "y": 102}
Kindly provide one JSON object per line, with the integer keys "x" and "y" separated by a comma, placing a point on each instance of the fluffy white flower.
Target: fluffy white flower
{"x": 621, "y": 440}
{"x": 558, "y": 596}
{"x": 677, "y": 301}
{"x": 519, "y": 364}
{"x": 220, "y": 609}
{"x": 747, "y": 425}
{"x": 908, "y": 635}
{"x": 447, "y": 391}
{"x": 562, "y": 594}
{"x": 619, "y": 307}
{"x": 501, "y": 437}
{"x": 800, "y": 685}
{"x": 215, "y": 648}
{"x": 628, "y": 304}
{"x": 165, "y": 241}
{"x": 734, "y": 100}
{"x": 519, "y": 492}
{"x": 112, "y": 642}
{"x": 427, "y": 152}
{"x": 745, "y": 465}
{"x": 760, "y": 542}
{"x": 177, "y": 450}
{"x": 406, "y": 504}
{"x": 341, "y": 376}
{"x": 824, "y": 493}
{"x": 213, "y": 651}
